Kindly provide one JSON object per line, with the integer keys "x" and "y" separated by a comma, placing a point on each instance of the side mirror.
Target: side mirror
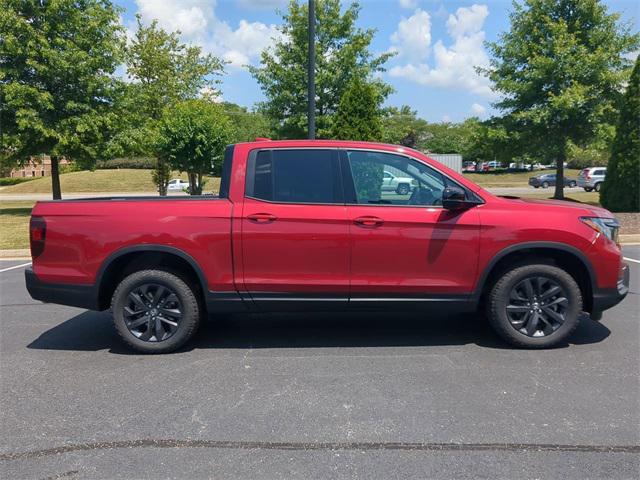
{"x": 454, "y": 198}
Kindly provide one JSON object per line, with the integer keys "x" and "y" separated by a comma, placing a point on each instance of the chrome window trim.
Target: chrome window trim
{"x": 345, "y": 149}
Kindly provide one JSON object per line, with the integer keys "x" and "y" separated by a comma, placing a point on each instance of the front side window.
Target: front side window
{"x": 388, "y": 179}
{"x": 294, "y": 176}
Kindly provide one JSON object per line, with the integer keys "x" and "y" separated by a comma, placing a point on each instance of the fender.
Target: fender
{"x": 151, "y": 248}
{"x": 529, "y": 245}
{"x": 214, "y": 301}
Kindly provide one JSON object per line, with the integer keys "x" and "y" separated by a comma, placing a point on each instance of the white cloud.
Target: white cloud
{"x": 244, "y": 44}
{"x": 454, "y": 65}
{"x": 478, "y": 109}
{"x": 408, "y": 3}
{"x": 199, "y": 25}
{"x": 412, "y": 39}
{"x": 191, "y": 17}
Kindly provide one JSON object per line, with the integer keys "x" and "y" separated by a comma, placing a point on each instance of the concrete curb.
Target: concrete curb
{"x": 16, "y": 253}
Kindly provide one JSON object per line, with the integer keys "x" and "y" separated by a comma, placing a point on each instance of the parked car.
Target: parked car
{"x": 393, "y": 183}
{"x": 468, "y": 166}
{"x": 178, "y": 185}
{"x": 547, "y": 180}
{"x": 592, "y": 178}
{"x": 300, "y": 226}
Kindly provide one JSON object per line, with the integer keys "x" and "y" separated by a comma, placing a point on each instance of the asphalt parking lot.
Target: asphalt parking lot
{"x": 316, "y": 396}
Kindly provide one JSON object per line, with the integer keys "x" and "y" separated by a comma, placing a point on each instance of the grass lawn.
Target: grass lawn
{"x": 506, "y": 179}
{"x": 592, "y": 198}
{"x": 121, "y": 180}
{"x": 14, "y": 224}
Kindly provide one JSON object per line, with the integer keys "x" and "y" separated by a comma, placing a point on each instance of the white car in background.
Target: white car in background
{"x": 178, "y": 185}
{"x": 592, "y": 178}
{"x": 400, "y": 185}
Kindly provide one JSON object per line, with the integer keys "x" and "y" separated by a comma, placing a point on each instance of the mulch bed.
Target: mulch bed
{"x": 629, "y": 223}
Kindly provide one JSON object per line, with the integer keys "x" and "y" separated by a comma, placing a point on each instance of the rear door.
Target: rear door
{"x": 294, "y": 228}
{"x": 406, "y": 247}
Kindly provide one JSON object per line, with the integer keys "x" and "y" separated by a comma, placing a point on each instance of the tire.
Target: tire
{"x": 545, "y": 184}
{"x": 572, "y": 184}
{"x": 587, "y": 189}
{"x": 518, "y": 328}
{"x": 173, "y": 326}
{"x": 403, "y": 189}
{"x": 536, "y": 186}
{"x": 597, "y": 186}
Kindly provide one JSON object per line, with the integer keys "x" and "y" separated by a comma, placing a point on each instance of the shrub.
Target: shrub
{"x": 620, "y": 190}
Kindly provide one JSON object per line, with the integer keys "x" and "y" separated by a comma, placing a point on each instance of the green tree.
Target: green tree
{"x": 192, "y": 136}
{"x": 358, "y": 116}
{"x": 342, "y": 52}
{"x": 57, "y": 60}
{"x": 621, "y": 189}
{"x": 163, "y": 71}
{"x": 560, "y": 69}
{"x": 401, "y": 126}
{"x": 248, "y": 125}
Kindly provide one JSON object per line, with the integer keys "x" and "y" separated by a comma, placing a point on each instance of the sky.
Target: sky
{"x": 438, "y": 44}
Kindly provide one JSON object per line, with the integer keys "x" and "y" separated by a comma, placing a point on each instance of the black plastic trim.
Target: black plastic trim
{"x": 82, "y": 296}
{"x": 531, "y": 245}
{"x": 603, "y": 299}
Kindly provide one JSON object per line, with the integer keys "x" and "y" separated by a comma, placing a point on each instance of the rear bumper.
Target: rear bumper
{"x": 82, "y": 296}
{"x": 606, "y": 298}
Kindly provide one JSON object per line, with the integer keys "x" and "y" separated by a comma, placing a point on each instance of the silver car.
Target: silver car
{"x": 592, "y": 178}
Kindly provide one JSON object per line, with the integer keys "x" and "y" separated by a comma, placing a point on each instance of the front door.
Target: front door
{"x": 295, "y": 230}
{"x": 406, "y": 246}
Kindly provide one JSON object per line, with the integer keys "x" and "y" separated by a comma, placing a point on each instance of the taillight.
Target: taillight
{"x": 37, "y": 234}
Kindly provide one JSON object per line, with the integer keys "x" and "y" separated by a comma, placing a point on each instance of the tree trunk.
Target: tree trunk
{"x": 560, "y": 159}
{"x": 55, "y": 178}
{"x": 162, "y": 179}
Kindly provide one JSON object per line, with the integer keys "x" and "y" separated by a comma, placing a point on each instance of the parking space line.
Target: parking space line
{"x": 631, "y": 260}
{"x": 14, "y": 267}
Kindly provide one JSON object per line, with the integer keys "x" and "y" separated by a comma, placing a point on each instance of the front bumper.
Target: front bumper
{"x": 606, "y": 298}
{"x": 82, "y": 296}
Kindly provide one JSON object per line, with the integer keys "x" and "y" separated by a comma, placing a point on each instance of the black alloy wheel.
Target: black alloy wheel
{"x": 152, "y": 312}
{"x": 537, "y": 306}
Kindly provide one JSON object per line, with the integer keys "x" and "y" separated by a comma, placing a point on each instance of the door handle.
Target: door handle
{"x": 369, "y": 222}
{"x": 262, "y": 217}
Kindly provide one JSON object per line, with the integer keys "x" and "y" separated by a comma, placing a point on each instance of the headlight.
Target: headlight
{"x": 606, "y": 226}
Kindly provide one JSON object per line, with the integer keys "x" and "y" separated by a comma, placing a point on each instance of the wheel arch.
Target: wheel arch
{"x": 137, "y": 257}
{"x": 565, "y": 256}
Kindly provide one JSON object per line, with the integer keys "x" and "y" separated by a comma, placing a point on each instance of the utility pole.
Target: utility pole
{"x": 311, "y": 87}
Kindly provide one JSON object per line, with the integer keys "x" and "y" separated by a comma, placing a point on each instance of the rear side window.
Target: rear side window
{"x": 294, "y": 176}
{"x": 599, "y": 172}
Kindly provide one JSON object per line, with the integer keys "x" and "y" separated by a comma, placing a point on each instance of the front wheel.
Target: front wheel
{"x": 545, "y": 184}
{"x": 588, "y": 189}
{"x": 597, "y": 187}
{"x": 155, "y": 311}
{"x": 535, "y": 306}
{"x": 572, "y": 184}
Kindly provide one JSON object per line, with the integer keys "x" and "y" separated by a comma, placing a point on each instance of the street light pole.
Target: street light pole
{"x": 311, "y": 86}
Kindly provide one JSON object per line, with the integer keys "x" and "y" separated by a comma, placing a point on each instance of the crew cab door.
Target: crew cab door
{"x": 406, "y": 247}
{"x": 295, "y": 232}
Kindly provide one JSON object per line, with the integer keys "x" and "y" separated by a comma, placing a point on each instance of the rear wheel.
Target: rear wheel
{"x": 572, "y": 184}
{"x": 545, "y": 184}
{"x": 535, "y": 306}
{"x": 155, "y": 311}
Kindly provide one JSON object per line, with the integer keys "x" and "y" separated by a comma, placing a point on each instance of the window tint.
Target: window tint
{"x": 410, "y": 182}
{"x": 599, "y": 172}
{"x": 294, "y": 176}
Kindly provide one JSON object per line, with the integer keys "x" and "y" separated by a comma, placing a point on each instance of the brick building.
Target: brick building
{"x": 37, "y": 167}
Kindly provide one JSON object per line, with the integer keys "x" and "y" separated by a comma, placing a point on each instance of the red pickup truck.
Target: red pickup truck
{"x": 307, "y": 225}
